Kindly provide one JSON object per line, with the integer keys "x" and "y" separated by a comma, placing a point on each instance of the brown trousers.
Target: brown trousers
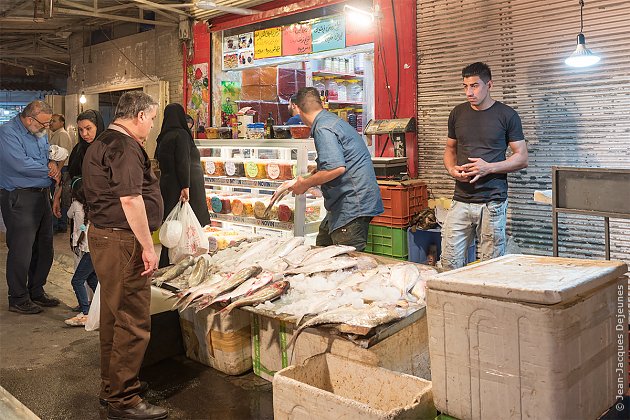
{"x": 125, "y": 324}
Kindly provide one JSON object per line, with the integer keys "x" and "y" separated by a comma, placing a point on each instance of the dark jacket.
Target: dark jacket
{"x": 180, "y": 164}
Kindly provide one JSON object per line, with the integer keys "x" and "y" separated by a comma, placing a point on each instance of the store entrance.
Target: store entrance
{"x": 107, "y": 102}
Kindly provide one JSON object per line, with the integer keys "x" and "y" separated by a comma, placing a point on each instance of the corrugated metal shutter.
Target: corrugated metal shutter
{"x": 570, "y": 117}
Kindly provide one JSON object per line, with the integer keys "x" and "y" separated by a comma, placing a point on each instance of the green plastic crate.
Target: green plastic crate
{"x": 387, "y": 241}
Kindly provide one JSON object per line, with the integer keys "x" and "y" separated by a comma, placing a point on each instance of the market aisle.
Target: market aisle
{"x": 54, "y": 369}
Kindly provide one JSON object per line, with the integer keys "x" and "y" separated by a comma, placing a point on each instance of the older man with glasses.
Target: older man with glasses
{"x": 25, "y": 178}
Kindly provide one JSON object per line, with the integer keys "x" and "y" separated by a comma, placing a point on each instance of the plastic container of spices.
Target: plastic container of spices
{"x": 256, "y": 131}
{"x": 273, "y": 169}
{"x": 342, "y": 94}
{"x": 215, "y": 167}
{"x": 216, "y": 204}
{"x": 234, "y": 168}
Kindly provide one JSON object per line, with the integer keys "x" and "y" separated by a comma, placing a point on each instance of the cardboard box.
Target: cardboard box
{"x": 332, "y": 387}
{"x": 405, "y": 351}
{"x": 528, "y": 337}
{"x": 221, "y": 343}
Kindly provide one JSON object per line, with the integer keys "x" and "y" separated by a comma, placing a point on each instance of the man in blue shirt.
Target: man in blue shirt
{"x": 345, "y": 173}
{"x": 294, "y": 111}
{"x": 25, "y": 178}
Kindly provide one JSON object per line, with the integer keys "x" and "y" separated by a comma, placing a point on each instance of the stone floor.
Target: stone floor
{"x": 54, "y": 369}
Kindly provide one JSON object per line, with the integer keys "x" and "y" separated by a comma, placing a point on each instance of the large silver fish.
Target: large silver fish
{"x": 268, "y": 292}
{"x": 297, "y": 255}
{"x": 316, "y": 255}
{"x": 289, "y": 246}
{"x": 361, "y": 319}
{"x": 247, "y": 287}
{"x": 333, "y": 264}
{"x": 198, "y": 274}
{"x": 229, "y": 284}
{"x": 174, "y": 271}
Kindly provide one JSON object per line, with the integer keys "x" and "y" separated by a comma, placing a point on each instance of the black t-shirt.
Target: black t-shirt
{"x": 115, "y": 166}
{"x": 483, "y": 134}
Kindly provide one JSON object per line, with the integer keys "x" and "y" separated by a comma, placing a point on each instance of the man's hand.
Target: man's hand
{"x": 150, "y": 259}
{"x": 476, "y": 169}
{"x": 53, "y": 170}
{"x": 183, "y": 196}
{"x": 458, "y": 173}
{"x": 56, "y": 208}
{"x": 300, "y": 186}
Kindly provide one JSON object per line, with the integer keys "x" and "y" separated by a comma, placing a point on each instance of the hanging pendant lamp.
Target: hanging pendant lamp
{"x": 582, "y": 56}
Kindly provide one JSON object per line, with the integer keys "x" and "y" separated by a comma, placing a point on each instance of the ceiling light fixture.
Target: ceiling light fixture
{"x": 82, "y": 98}
{"x": 357, "y": 15}
{"x": 582, "y": 56}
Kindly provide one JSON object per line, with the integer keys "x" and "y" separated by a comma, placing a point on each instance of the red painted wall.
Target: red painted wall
{"x": 401, "y": 75}
{"x": 202, "y": 54}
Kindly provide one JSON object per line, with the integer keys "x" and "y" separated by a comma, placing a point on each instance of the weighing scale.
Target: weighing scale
{"x": 391, "y": 167}
{"x": 395, "y": 128}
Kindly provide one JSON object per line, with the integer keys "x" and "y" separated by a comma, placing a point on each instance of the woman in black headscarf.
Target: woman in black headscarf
{"x": 89, "y": 125}
{"x": 181, "y": 176}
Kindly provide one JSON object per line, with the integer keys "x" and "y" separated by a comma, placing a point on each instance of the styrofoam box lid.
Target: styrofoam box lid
{"x": 529, "y": 278}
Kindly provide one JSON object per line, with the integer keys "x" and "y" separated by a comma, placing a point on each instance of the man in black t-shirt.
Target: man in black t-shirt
{"x": 125, "y": 204}
{"x": 479, "y": 132}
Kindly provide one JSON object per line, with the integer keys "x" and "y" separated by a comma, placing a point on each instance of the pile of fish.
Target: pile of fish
{"x": 325, "y": 282}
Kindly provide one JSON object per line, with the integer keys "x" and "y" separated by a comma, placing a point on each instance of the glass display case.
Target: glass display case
{"x": 241, "y": 176}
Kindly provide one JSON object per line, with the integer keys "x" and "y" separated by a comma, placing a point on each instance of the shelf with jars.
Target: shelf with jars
{"x": 241, "y": 176}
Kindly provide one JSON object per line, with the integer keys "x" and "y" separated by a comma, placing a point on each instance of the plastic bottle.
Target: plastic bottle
{"x": 342, "y": 91}
{"x": 319, "y": 84}
{"x": 335, "y": 65}
{"x": 328, "y": 64}
{"x": 359, "y": 113}
{"x": 332, "y": 87}
{"x": 346, "y": 67}
{"x": 352, "y": 118}
{"x": 355, "y": 90}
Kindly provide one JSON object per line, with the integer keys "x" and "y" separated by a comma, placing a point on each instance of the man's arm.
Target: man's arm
{"x": 318, "y": 178}
{"x": 136, "y": 215}
{"x": 478, "y": 167}
{"x": 450, "y": 161}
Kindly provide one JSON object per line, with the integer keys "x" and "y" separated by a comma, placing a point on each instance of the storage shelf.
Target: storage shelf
{"x": 251, "y": 221}
{"x": 346, "y": 103}
{"x": 242, "y": 182}
{"x": 336, "y": 74}
{"x": 257, "y": 143}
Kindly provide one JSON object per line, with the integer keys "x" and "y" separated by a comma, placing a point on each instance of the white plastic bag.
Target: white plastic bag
{"x": 171, "y": 230}
{"x": 94, "y": 315}
{"x": 193, "y": 241}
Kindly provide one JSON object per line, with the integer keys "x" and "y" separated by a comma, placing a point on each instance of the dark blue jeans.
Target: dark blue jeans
{"x": 84, "y": 273}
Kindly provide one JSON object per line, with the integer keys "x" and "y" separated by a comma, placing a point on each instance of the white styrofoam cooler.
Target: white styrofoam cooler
{"x": 528, "y": 337}
{"x": 331, "y": 387}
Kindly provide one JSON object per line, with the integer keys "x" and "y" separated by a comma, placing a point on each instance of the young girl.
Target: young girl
{"x": 84, "y": 272}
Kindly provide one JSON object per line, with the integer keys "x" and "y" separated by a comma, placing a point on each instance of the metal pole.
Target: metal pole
{"x": 607, "y": 236}
{"x": 554, "y": 212}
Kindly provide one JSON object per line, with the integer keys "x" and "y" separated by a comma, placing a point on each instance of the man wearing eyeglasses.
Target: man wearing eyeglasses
{"x": 25, "y": 178}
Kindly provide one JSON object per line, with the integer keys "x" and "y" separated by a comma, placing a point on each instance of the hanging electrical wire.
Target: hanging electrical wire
{"x": 124, "y": 55}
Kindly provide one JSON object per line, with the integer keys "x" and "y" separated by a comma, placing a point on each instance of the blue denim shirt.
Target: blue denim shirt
{"x": 355, "y": 193}
{"x": 23, "y": 157}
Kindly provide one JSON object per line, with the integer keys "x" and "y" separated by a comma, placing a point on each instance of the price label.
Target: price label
{"x": 297, "y": 39}
{"x": 268, "y": 43}
{"x": 329, "y": 34}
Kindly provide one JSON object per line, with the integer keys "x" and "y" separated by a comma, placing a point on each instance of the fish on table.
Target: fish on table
{"x": 332, "y": 264}
{"x": 267, "y": 293}
{"x": 229, "y": 284}
{"x": 175, "y": 271}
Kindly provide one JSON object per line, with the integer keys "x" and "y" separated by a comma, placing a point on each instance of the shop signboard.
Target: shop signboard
{"x": 329, "y": 34}
{"x": 297, "y": 39}
{"x": 268, "y": 43}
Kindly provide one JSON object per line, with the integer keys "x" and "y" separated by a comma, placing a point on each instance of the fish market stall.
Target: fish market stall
{"x": 295, "y": 293}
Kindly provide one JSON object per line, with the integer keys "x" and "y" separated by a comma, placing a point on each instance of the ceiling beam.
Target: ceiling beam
{"x": 30, "y": 54}
{"x": 166, "y": 7}
{"x": 52, "y": 46}
{"x": 16, "y": 8}
{"x": 116, "y": 17}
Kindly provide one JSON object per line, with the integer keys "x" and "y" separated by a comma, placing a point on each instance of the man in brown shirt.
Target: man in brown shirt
{"x": 125, "y": 205}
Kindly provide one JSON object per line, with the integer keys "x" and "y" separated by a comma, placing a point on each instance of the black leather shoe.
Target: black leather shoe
{"x": 45, "y": 300}
{"x": 142, "y": 411}
{"x": 144, "y": 387}
{"x": 27, "y": 307}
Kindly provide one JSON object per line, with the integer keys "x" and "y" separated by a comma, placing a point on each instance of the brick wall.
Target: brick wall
{"x": 157, "y": 55}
